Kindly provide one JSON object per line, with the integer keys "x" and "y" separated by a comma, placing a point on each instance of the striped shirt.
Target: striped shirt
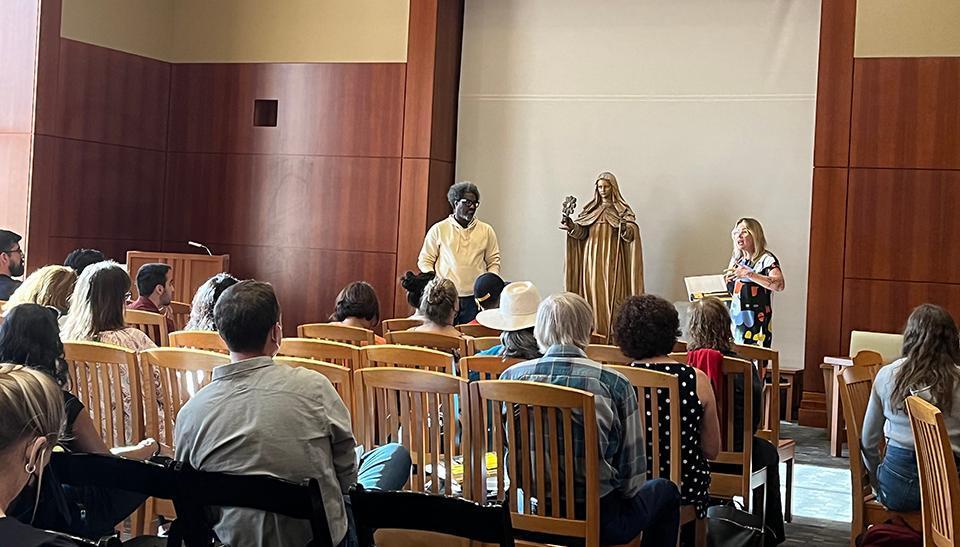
{"x": 623, "y": 462}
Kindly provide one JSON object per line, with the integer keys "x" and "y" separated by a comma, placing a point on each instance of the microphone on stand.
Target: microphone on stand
{"x": 201, "y": 246}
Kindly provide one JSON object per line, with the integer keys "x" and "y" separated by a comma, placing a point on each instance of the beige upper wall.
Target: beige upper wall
{"x": 914, "y": 28}
{"x": 239, "y": 31}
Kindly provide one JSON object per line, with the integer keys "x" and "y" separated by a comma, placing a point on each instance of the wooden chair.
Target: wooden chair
{"x": 488, "y": 367}
{"x": 181, "y": 314}
{"x": 680, "y": 346}
{"x": 341, "y": 377}
{"x": 607, "y": 355}
{"x": 598, "y": 338}
{"x": 440, "y": 342}
{"x": 407, "y": 357}
{"x": 855, "y": 384}
{"x": 415, "y": 408}
{"x": 393, "y": 325}
{"x": 661, "y": 386}
{"x": 746, "y": 482}
{"x": 482, "y": 343}
{"x": 206, "y": 340}
{"x": 96, "y": 372}
{"x": 768, "y": 361}
{"x": 863, "y": 358}
{"x": 477, "y": 331}
{"x": 152, "y": 324}
{"x": 867, "y": 358}
{"x": 939, "y": 482}
{"x": 182, "y": 373}
{"x": 538, "y": 422}
{"x": 326, "y": 351}
{"x": 337, "y": 333}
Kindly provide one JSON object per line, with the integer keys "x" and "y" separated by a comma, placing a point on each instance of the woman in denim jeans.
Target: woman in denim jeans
{"x": 928, "y": 369}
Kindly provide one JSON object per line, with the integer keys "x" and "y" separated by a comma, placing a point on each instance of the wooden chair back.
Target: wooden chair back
{"x": 888, "y": 345}
{"x": 206, "y": 340}
{"x": 653, "y": 388}
{"x": 181, "y": 314}
{"x": 855, "y": 385}
{"x": 767, "y": 360}
{"x": 337, "y": 333}
{"x": 337, "y": 353}
{"x": 483, "y": 343}
{"x": 406, "y": 356}
{"x": 680, "y": 346}
{"x": 596, "y": 338}
{"x": 607, "y": 355}
{"x": 440, "y": 342}
{"x": 341, "y": 377}
{"x": 939, "y": 482}
{"x": 152, "y": 324}
{"x": 867, "y": 358}
{"x": 477, "y": 331}
{"x": 537, "y": 423}
{"x": 102, "y": 376}
{"x": 182, "y": 372}
{"x": 488, "y": 367}
{"x": 393, "y": 325}
{"x": 416, "y": 409}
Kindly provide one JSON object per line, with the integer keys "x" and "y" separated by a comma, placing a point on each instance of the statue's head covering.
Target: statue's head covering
{"x": 613, "y": 213}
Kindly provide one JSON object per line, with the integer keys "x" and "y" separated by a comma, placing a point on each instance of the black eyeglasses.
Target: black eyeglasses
{"x": 11, "y": 251}
{"x": 466, "y": 201}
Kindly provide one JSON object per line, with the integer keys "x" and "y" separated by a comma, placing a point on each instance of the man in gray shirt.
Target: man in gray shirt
{"x": 260, "y": 417}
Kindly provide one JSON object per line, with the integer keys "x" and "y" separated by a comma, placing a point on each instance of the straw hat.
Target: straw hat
{"x": 517, "y": 311}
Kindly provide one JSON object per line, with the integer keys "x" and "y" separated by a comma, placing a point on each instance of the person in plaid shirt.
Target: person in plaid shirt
{"x": 629, "y": 504}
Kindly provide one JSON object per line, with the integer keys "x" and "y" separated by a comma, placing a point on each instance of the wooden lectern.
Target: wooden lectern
{"x": 189, "y": 270}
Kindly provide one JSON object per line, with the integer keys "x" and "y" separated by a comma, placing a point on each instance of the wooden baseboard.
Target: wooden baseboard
{"x": 813, "y": 409}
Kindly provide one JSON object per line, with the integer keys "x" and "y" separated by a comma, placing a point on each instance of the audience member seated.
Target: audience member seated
{"x": 79, "y": 259}
{"x": 629, "y": 504}
{"x": 259, "y": 417}
{"x": 201, "y": 311}
{"x": 30, "y": 337}
{"x": 31, "y": 417}
{"x": 358, "y": 306}
{"x": 710, "y": 338}
{"x": 928, "y": 369}
{"x": 49, "y": 286}
{"x": 11, "y": 263}
{"x": 646, "y": 327}
{"x": 439, "y": 307}
{"x": 414, "y": 284}
{"x": 515, "y": 319}
{"x": 155, "y": 285}
{"x": 487, "y": 289}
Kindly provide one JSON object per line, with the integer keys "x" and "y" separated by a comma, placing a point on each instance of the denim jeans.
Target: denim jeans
{"x": 384, "y": 468}
{"x": 898, "y": 480}
{"x": 655, "y": 511}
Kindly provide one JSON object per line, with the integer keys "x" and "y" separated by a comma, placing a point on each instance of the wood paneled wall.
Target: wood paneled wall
{"x": 886, "y": 178}
{"x": 138, "y": 154}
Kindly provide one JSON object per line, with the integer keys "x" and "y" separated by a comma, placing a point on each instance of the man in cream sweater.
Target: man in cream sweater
{"x": 460, "y": 247}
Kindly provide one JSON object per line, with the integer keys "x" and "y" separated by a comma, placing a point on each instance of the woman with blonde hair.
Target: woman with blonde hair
{"x": 31, "y": 421}
{"x": 439, "y": 306}
{"x": 928, "y": 369}
{"x": 49, "y": 286}
{"x": 752, "y": 276}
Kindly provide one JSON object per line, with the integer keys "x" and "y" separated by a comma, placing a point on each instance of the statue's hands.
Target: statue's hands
{"x": 627, "y": 233}
{"x": 566, "y": 223}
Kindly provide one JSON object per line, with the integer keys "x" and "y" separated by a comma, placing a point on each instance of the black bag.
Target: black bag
{"x": 729, "y": 526}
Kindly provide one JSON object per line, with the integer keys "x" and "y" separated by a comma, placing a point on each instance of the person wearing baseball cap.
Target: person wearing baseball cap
{"x": 515, "y": 319}
{"x": 486, "y": 290}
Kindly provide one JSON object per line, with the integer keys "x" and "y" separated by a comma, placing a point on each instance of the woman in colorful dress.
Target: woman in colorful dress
{"x": 752, "y": 276}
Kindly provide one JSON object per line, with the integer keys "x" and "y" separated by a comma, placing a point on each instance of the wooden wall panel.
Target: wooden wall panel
{"x": 112, "y": 97}
{"x": 48, "y": 68}
{"x": 18, "y": 43}
{"x": 414, "y": 184}
{"x": 421, "y": 63}
{"x": 906, "y": 113}
{"x": 902, "y": 225}
{"x": 446, "y": 87}
{"x": 14, "y": 180}
{"x": 834, "y": 82}
{"x": 883, "y": 306}
{"x": 323, "y": 109}
{"x": 307, "y": 280}
{"x": 288, "y": 201}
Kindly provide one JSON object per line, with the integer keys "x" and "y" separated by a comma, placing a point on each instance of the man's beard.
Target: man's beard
{"x": 16, "y": 270}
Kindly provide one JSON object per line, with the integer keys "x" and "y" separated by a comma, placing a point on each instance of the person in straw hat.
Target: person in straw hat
{"x": 515, "y": 318}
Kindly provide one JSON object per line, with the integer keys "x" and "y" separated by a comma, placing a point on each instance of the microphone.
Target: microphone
{"x": 201, "y": 246}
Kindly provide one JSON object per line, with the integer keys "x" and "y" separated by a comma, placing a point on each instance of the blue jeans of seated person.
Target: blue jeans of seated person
{"x": 898, "y": 480}
{"x": 384, "y": 468}
{"x": 654, "y": 511}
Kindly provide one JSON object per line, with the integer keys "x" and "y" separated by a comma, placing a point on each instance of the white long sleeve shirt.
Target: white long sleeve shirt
{"x": 460, "y": 254}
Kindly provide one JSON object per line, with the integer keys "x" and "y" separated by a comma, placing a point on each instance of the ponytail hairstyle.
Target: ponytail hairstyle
{"x": 931, "y": 348}
{"x": 414, "y": 284}
{"x": 439, "y": 301}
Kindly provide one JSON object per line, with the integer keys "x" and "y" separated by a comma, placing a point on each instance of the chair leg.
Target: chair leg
{"x": 789, "y": 400}
{"x": 765, "y": 403}
{"x": 701, "y": 532}
{"x": 788, "y": 502}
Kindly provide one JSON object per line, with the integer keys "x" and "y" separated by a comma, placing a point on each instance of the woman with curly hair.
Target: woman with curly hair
{"x": 439, "y": 306}
{"x": 49, "y": 286}
{"x": 201, "y": 310}
{"x": 645, "y": 328}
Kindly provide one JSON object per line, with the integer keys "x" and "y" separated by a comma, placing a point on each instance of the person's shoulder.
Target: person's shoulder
{"x": 17, "y": 533}
{"x": 886, "y": 372}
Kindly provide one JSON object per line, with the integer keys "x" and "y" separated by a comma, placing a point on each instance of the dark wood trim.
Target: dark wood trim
{"x": 834, "y": 83}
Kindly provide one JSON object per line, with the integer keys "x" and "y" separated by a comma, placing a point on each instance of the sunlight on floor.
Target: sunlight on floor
{"x": 822, "y": 492}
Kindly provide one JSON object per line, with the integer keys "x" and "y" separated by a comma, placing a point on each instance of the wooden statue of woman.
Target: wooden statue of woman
{"x": 604, "y": 260}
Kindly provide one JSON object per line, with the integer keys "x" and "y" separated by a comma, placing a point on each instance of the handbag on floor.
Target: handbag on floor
{"x": 730, "y": 526}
